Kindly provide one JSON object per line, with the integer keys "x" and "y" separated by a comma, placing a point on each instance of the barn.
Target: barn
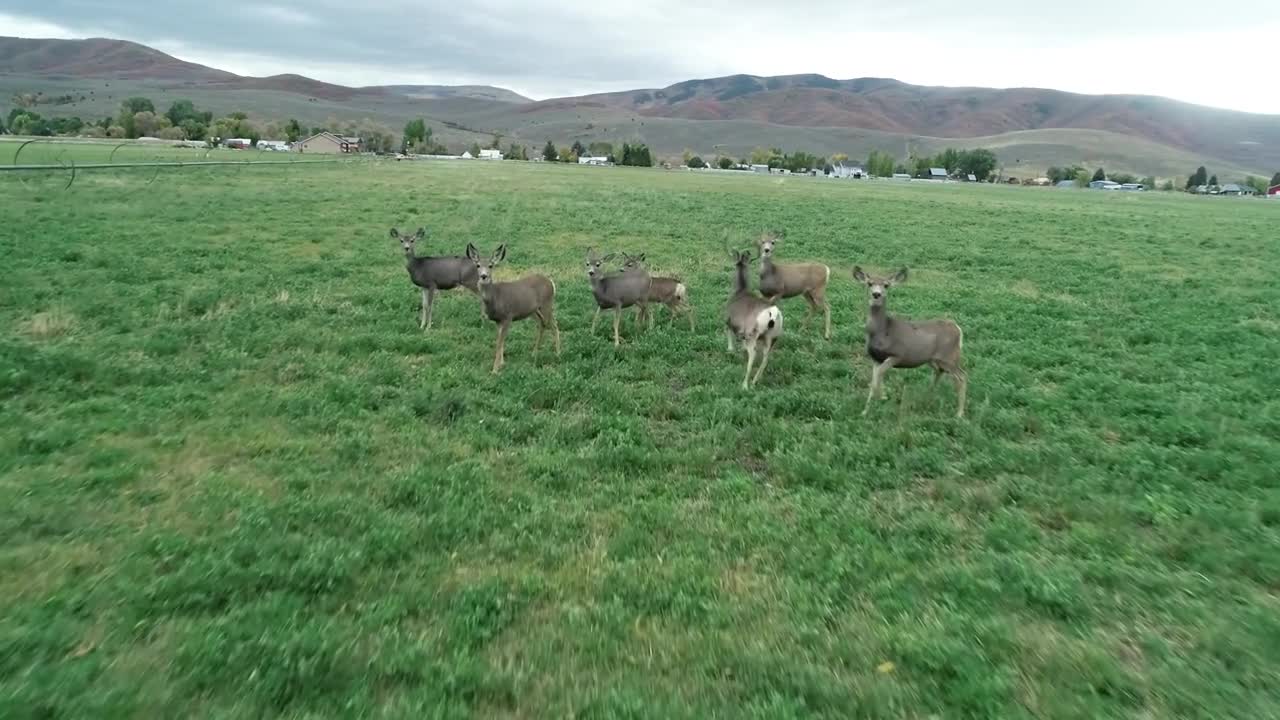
{"x": 327, "y": 142}
{"x": 1274, "y": 192}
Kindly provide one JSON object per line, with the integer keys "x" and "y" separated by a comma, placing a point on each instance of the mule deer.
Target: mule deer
{"x": 898, "y": 342}
{"x": 506, "y": 302}
{"x": 779, "y": 281}
{"x": 752, "y": 319}
{"x": 616, "y": 290}
{"x": 435, "y": 273}
{"x": 668, "y": 291}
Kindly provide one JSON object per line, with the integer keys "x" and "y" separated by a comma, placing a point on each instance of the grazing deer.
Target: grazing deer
{"x": 435, "y": 273}
{"x": 616, "y": 290}
{"x": 506, "y": 302}
{"x": 667, "y": 291}
{"x": 752, "y": 319}
{"x": 898, "y": 342}
{"x": 779, "y": 281}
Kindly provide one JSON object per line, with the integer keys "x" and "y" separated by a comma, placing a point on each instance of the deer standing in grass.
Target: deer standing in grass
{"x": 435, "y": 273}
{"x": 667, "y": 291}
{"x": 754, "y": 320}
{"x": 506, "y": 302}
{"x": 615, "y": 291}
{"x": 779, "y": 281}
{"x": 899, "y": 342}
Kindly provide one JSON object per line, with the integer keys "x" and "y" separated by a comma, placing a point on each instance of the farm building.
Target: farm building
{"x": 1104, "y": 185}
{"x": 1237, "y": 190}
{"x": 490, "y": 155}
{"x": 901, "y": 176}
{"x": 279, "y": 145}
{"x": 760, "y": 168}
{"x": 1133, "y": 187}
{"x": 238, "y": 143}
{"x": 593, "y": 160}
{"x": 937, "y": 173}
{"x": 328, "y": 143}
{"x": 1274, "y": 192}
{"x": 847, "y": 171}
{"x": 971, "y": 178}
{"x": 1066, "y": 183}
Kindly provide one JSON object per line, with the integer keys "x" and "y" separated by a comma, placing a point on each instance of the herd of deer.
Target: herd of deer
{"x": 753, "y": 318}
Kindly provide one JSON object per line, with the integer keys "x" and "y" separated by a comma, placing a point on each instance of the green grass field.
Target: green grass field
{"x": 237, "y": 481}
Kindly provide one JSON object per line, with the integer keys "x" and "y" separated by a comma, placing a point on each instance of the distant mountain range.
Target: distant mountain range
{"x": 1030, "y": 128}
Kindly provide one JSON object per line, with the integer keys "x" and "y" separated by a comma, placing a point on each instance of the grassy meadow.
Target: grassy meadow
{"x": 237, "y": 481}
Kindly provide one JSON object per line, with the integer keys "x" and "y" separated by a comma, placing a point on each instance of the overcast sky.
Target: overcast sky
{"x": 1214, "y": 54}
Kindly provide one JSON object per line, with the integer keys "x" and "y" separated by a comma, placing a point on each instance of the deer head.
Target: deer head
{"x": 484, "y": 267}
{"x": 407, "y": 241}
{"x": 878, "y": 287}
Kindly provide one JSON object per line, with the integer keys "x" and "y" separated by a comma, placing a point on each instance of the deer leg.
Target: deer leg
{"x": 728, "y": 333}
{"x": 751, "y": 359}
{"x": 826, "y": 314}
{"x": 961, "y": 380}
{"x": 594, "y": 320}
{"x": 768, "y": 345}
{"x": 537, "y": 338}
{"x": 498, "y": 359}
{"x": 555, "y": 328}
{"x": 938, "y": 372}
{"x": 877, "y": 379}
{"x": 688, "y": 310}
{"x": 431, "y": 305}
{"x": 422, "y": 315}
{"x": 644, "y": 313}
{"x": 617, "y": 320}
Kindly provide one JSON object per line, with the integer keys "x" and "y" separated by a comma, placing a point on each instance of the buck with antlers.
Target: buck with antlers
{"x": 779, "y": 281}
{"x": 435, "y": 273}
{"x": 898, "y": 342}
{"x": 507, "y": 302}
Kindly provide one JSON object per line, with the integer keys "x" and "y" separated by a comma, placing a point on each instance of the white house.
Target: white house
{"x": 760, "y": 168}
{"x": 466, "y": 155}
{"x": 490, "y": 155}
{"x": 279, "y": 145}
{"x": 593, "y": 160}
{"x": 847, "y": 171}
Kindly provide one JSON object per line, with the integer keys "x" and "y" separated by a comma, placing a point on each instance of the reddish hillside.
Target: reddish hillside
{"x": 892, "y": 106}
{"x": 300, "y": 85}
{"x": 99, "y": 57}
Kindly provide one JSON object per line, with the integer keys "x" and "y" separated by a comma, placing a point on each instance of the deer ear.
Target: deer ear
{"x": 608, "y": 257}
{"x": 422, "y": 232}
{"x": 500, "y": 254}
{"x": 900, "y": 276}
{"x": 858, "y": 274}
{"x": 395, "y": 234}
{"x": 471, "y": 252}
{"x": 640, "y": 257}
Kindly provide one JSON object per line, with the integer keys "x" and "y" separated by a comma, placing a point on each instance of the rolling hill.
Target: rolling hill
{"x": 1031, "y": 128}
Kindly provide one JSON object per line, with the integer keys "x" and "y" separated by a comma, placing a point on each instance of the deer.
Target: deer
{"x": 435, "y": 273}
{"x": 616, "y": 291}
{"x": 895, "y": 342}
{"x": 752, "y": 319}
{"x": 507, "y": 302}
{"x": 668, "y": 291}
{"x": 779, "y": 281}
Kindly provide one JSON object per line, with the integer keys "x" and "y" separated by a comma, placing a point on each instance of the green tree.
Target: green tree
{"x": 495, "y": 142}
{"x": 1149, "y": 182}
{"x": 3, "y": 126}
{"x": 724, "y": 163}
{"x": 600, "y": 149}
{"x": 1257, "y": 183}
{"x": 474, "y": 149}
{"x": 578, "y": 150}
{"x": 760, "y": 156}
{"x": 415, "y": 131}
{"x": 1198, "y": 178}
{"x": 549, "y": 152}
{"x": 1213, "y": 181}
{"x": 839, "y": 158}
{"x": 1275, "y": 179}
{"x": 1099, "y": 174}
{"x": 696, "y": 162}
{"x": 920, "y": 166}
{"x": 979, "y": 162}
{"x": 292, "y": 130}
{"x": 567, "y": 156}
{"x": 1166, "y": 186}
{"x": 1082, "y": 178}
{"x": 1055, "y": 174}
{"x": 1123, "y": 178}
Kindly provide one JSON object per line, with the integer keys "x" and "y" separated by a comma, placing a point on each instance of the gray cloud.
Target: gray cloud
{"x": 546, "y": 48}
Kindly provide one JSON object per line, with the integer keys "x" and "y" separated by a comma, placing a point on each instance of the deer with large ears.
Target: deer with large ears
{"x": 507, "y": 302}
{"x": 669, "y": 291}
{"x": 615, "y": 291}
{"x": 435, "y": 273}
{"x": 755, "y": 321}
{"x": 779, "y": 281}
{"x": 894, "y": 342}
